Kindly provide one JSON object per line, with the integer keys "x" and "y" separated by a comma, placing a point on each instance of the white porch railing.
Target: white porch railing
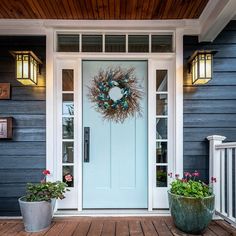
{"x": 222, "y": 166}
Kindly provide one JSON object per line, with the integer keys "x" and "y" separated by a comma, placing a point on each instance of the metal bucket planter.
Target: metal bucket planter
{"x": 191, "y": 215}
{"x": 37, "y": 216}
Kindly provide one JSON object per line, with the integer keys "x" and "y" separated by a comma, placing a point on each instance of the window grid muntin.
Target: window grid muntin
{"x": 160, "y": 165}
{"x": 103, "y": 35}
{"x": 68, "y": 165}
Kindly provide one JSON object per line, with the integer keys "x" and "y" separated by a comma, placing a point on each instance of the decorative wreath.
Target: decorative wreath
{"x": 116, "y": 94}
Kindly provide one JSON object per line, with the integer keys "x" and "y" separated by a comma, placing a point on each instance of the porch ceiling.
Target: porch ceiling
{"x": 102, "y": 9}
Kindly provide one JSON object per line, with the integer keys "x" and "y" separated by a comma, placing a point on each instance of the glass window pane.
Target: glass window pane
{"x": 67, "y": 43}
{"x": 68, "y": 104}
{"x": 91, "y": 43}
{"x": 138, "y": 43}
{"x": 161, "y": 128}
{"x": 68, "y": 152}
{"x": 68, "y": 175}
{"x": 162, "y": 43}
{"x": 161, "y": 104}
{"x": 161, "y": 176}
{"x": 115, "y": 43}
{"x": 161, "y": 152}
{"x": 161, "y": 80}
{"x": 67, "y": 80}
{"x": 68, "y": 128}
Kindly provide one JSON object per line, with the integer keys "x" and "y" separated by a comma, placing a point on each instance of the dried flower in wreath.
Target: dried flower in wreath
{"x": 116, "y": 94}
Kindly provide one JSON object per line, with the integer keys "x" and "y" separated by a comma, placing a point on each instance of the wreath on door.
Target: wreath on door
{"x": 116, "y": 94}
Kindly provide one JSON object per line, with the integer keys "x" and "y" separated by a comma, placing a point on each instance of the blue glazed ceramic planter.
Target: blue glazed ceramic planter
{"x": 191, "y": 215}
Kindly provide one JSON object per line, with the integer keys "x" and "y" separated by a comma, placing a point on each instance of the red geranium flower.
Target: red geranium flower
{"x": 46, "y": 172}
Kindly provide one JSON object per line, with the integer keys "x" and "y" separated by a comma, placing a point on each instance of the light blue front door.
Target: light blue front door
{"x": 115, "y": 176}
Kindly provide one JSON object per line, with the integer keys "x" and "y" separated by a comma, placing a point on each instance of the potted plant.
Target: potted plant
{"x": 191, "y": 203}
{"x": 37, "y": 205}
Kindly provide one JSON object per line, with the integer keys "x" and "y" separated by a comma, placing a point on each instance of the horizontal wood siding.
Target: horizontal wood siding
{"x": 210, "y": 109}
{"x": 24, "y": 157}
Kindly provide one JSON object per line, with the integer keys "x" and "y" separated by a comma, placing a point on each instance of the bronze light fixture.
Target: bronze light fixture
{"x": 200, "y": 65}
{"x": 27, "y": 65}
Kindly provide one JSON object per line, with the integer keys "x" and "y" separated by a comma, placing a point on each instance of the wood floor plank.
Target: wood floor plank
{"x": 6, "y": 227}
{"x": 208, "y": 232}
{"x": 226, "y": 226}
{"x": 122, "y": 228}
{"x": 23, "y": 233}
{"x": 15, "y": 229}
{"x": 148, "y": 228}
{"x": 161, "y": 227}
{"x": 114, "y": 226}
{"x": 2, "y": 224}
{"x": 42, "y": 233}
{"x": 82, "y": 228}
{"x": 217, "y": 229}
{"x": 55, "y": 229}
{"x": 135, "y": 228}
{"x": 109, "y": 228}
{"x": 170, "y": 224}
{"x": 68, "y": 229}
{"x": 95, "y": 228}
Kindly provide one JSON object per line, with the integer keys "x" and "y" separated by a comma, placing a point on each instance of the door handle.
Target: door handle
{"x": 86, "y": 144}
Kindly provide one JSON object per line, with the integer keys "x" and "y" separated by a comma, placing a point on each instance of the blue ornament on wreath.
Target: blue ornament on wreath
{"x": 116, "y": 94}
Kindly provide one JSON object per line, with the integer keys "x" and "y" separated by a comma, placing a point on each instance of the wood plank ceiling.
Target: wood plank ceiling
{"x": 102, "y": 9}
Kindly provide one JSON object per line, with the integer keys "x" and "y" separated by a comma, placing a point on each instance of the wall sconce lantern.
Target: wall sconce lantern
{"x": 200, "y": 65}
{"x": 26, "y": 67}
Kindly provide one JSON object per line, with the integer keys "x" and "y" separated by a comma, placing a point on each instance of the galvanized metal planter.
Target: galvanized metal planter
{"x": 191, "y": 215}
{"x": 37, "y": 216}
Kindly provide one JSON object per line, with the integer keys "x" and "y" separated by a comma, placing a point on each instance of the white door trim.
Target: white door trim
{"x": 51, "y": 88}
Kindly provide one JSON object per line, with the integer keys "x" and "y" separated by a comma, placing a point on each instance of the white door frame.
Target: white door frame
{"x": 158, "y": 195}
{"x": 51, "y": 126}
{"x": 159, "y": 61}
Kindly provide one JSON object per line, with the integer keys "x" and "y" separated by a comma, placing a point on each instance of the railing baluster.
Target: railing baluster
{"x": 223, "y": 166}
{"x": 222, "y": 179}
{"x": 229, "y": 184}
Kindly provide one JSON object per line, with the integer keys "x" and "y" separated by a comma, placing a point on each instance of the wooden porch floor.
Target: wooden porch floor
{"x": 111, "y": 226}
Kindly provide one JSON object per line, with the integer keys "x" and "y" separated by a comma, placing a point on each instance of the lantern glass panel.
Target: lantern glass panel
{"x": 35, "y": 71}
{"x": 195, "y": 69}
{"x": 31, "y": 68}
{"x": 202, "y": 71}
{"x": 19, "y": 66}
{"x": 208, "y": 65}
{"x": 25, "y": 66}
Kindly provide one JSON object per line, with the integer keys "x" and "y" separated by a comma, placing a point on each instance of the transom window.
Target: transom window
{"x": 116, "y": 43}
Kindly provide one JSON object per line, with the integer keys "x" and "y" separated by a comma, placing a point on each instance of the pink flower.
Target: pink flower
{"x": 213, "y": 179}
{"x": 68, "y": 178}
{"x": 46, "y": 172}
{"x": 176, "y": 176}
{"x": 187, "y": 174}
{"x": 184, "y": 180}
{"x": 170, "y": 174}
{"x": 196, "y": 174}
